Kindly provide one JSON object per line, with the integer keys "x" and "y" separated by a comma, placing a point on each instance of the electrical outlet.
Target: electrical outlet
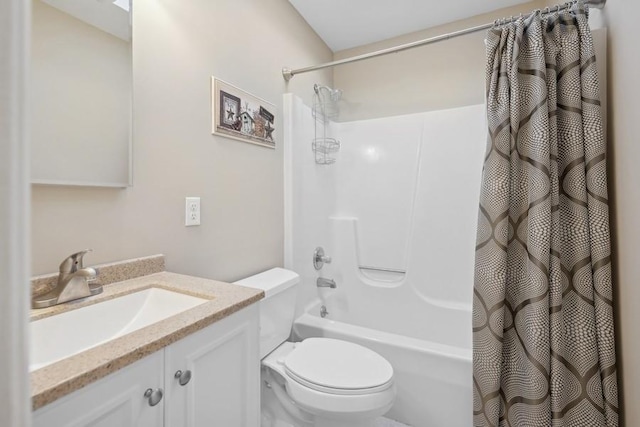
{"x": 192, "y": 211}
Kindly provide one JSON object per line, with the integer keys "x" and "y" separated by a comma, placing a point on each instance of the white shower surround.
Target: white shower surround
{"x": 403, "y": 195}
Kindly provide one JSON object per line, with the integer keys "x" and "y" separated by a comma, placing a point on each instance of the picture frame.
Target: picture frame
{"x": 239, "y": 115}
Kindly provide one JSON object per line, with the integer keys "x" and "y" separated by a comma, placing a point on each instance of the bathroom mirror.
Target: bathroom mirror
{"x": 81, "y": 103}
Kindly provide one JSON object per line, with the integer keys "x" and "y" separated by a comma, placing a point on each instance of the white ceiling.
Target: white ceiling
{"x": 344, "y": 24}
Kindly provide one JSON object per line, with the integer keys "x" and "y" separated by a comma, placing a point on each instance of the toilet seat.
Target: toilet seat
{"x": 314, "y": 387}
{"x": 338, "y": 367}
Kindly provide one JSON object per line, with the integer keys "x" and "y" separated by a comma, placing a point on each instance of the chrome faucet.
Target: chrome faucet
{"x": 326, "y": 283}
{"x": 73, "y": 283}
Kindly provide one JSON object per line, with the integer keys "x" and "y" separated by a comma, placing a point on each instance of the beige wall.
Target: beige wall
{"x": 624, "y": 178}
{"x": 177, "y": 47}
{"x": 438, "y": 76}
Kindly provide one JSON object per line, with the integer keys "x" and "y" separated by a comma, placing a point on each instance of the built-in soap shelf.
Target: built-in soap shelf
{"x": 379, "y": 274}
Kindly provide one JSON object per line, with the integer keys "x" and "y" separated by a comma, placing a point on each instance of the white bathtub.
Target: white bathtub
{"x": 433, "y": 380}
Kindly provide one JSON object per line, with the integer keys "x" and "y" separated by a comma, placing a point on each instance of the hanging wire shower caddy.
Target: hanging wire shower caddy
{"x": 325, "y": 108}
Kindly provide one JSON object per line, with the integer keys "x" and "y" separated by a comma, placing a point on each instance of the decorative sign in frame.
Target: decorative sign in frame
{"x": 242, "y": 116}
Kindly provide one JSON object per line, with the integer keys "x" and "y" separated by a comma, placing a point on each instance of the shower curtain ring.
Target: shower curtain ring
{"x": 547, "y": 10}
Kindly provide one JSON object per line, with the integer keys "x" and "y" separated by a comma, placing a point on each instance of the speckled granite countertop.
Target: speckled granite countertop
{"x": 61, "y": 378}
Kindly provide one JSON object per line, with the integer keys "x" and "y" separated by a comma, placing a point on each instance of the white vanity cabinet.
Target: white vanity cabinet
{"x": 222, "y": 361}
{"x": 223, "y": 364}
{"x": 114, "y": 401}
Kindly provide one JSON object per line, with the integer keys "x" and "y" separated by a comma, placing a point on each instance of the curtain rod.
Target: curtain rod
{"x": 288, "y": 73}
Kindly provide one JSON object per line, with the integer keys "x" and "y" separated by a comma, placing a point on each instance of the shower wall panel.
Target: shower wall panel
{"x": 310, "y": 197}
{"x": 442, "y": 247}
{"x": 377, "y": 172}
{"x": 403, "y": 195}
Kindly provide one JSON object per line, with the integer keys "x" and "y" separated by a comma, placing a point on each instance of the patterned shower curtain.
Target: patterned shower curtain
{"x": 543, "y": 338}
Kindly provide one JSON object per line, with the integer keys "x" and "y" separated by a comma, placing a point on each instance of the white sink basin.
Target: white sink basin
{"x": 66, "y": 334}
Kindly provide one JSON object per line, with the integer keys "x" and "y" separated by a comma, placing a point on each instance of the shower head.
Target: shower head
{"x": 333, "y": 94}
{"x": 325, "y": 102}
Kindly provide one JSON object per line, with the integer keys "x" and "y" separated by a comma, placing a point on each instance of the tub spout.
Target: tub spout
{"x": 326, "y": 283}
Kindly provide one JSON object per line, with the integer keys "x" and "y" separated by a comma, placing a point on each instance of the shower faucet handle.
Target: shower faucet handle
{"x": 319, "y": 259}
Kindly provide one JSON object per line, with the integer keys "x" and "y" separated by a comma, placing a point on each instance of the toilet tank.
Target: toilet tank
{"x": 277, "y": 309}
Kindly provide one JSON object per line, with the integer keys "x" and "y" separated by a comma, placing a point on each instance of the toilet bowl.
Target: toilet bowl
{"x": 330, "y": 382}
{"x": 318, "y": 382}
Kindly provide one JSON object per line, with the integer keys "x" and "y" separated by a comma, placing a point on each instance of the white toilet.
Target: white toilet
{"x": 319, "y": 382}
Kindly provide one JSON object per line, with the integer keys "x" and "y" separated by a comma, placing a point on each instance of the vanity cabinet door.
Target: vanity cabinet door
{"x": 224, "y": 368}
{"x": 114, "y": 401}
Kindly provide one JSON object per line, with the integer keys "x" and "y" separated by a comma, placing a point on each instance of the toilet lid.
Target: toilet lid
{"x": 327, "y": 364}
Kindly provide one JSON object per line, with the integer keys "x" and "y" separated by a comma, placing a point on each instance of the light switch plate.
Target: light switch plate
{"x": 192, "y": 211}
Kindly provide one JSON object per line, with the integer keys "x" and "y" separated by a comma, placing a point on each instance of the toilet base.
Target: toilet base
{"x": 274, "y": 413}
{"x": 350, "y": 423}
{"x": 288, "y": 403}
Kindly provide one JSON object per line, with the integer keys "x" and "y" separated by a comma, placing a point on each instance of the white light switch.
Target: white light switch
{"x": 192, "y": 211}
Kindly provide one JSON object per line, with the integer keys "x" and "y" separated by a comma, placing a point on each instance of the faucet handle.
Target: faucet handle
{"x": 73, "y": 262}
{"x": 319, "y": 258}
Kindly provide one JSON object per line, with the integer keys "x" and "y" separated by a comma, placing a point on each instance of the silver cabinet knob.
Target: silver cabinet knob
{"x": 154, "y": 396}
{"x": 183, "y": 377}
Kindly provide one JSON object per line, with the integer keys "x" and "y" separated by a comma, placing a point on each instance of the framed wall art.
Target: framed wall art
{"x": 242, "y": 116}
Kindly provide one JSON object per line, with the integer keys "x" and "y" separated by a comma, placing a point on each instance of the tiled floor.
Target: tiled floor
{"x": 386, "y": 422}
